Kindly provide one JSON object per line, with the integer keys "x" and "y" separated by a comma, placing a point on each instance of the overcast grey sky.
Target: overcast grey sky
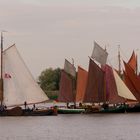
{"x": 48, "y": 31}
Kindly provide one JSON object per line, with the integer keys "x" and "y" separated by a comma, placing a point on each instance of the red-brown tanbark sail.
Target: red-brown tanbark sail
{"x": 111, "y": 88}
{"x": 66, "y": 88}
{"x": 131, "y": 87}
{"x": 133, "y": 61}
{"x": 132, "y": 81}
{"x": 81, "y": 84}
{"x": 95, "y": 89}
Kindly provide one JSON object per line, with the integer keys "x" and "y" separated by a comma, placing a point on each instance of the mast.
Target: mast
{"x": 1, "y": 53}
{"x": 1, "y": 73}
{"x": 137, "y": 64}
{"x": 73, "y": 86}
{"x": 119, "y": 60}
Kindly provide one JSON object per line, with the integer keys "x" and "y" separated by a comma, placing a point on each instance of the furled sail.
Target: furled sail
{"x": 122, "y": 89}
{"x": 95, "y": 89}
{"x": 19, "y": 85}
{"x": 133, "y": 61}
{"x": 81, "y": 84}
{"x": 69, "y": 68}
{"x": 111, "y": 88}
{"x": 66, "y": 88}
{"x": 99, "y": 54}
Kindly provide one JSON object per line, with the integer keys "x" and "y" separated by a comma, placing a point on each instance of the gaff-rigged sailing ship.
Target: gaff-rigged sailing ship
{"x": 132, "y": 80}
{"x": 18, "y": 86}
{"x": 67, "y": 89}
{"x": 104, "y": 85}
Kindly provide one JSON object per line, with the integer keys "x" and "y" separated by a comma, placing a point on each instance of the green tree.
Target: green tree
{"x": 49, "y": 79}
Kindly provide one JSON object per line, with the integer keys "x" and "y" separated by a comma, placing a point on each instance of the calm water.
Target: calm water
{"x": 71, "y": 127}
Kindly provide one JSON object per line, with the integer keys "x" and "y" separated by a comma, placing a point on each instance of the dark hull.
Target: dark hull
{"x": 121, "y": 109}
{"x": 21, "y": 112}
{"x": 70, "y": 111}
{"x": 114, "y": 110}
{"x": 133, "y": 109}
{"x": 91, "y": 110}
{"x": 48, "y": 112}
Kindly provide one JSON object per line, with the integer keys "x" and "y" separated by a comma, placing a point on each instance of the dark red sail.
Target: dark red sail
{"x": 131, "y": 87}
{"x": 95, "y": 89}
{"x": 132, "y": 81}
{"x": 111, "y": 89}
{"x": 66, "y": 93}
{"x": 133, "y": 61}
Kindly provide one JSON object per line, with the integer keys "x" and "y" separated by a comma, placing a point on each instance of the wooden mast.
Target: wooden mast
{"x": 73, "y": 86}
{"x": 1, "y": 75}
{"x": 1, "y": 53}
{"x": 119, "y": 60}
{"x": 136, "y": 64}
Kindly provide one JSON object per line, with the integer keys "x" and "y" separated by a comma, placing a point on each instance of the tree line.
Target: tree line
{"x": 49, "y": 82}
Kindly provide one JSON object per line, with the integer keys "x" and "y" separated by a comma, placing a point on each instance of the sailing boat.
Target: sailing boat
{"x": 104, "y": 85}
{"x": 112, "y": 96}
{"x": 95, "y": 88}
{"x": 18, "y": 86}
{"x": 133, "y": 83}
{"x": 130, "y": 76}
{"x": 95, "y": 92}
{"x": 67, "y": 89}
{"x": 117, "y": 91}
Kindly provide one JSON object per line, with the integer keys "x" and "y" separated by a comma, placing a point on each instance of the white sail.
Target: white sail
{"x": 122, "y": 89}
{"x": 19, "y": 85}
{"x": 99, "y": 54}
{"x": 69, "y": 68}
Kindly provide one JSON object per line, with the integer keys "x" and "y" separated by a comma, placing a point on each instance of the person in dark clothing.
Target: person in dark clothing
{"x": 25, "y": 105}
{"x": 34, "y": 107}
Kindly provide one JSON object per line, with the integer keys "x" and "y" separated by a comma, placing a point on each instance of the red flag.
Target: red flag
{"x": 7, "y": 75}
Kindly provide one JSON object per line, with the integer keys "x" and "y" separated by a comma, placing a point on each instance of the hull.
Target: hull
{"x": 107, "y": 110}
{"x": 70, "y": 111}
{"x": 17, "y": 111}
{"x": 47, "y": 112}
{"x": 134, "y": 109}
{"x": 91, "y": 110}
{"x": 114, "y": 110}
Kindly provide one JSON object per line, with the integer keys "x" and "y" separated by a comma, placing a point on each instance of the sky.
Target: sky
{"x": 48, "y": 31}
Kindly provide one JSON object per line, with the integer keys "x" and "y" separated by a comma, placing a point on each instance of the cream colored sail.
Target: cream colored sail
{"x": 122, "y": 89}
{"x": 69, "y": 68}
{"x": 99, "y": 54}
{"x": 19, "y": 85}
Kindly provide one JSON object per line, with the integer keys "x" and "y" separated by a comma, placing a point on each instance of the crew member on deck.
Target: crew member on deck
{"x": 25, "y": 104}
{"x": 34, "y": 107}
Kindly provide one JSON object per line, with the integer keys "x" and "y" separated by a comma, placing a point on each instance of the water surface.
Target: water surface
{"x": 71, "y": 127}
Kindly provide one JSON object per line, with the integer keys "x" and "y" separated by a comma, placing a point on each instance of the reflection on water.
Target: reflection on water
{"x": 71, "y": 127}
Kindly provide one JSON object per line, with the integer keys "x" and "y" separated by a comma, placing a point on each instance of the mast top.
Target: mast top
{"x": 2, "y": 52}
{"x": 72, "y": 61}
{"x": 119, "y": 59}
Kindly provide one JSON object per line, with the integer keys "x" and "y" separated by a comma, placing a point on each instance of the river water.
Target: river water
{"x": 72, "y": 127}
